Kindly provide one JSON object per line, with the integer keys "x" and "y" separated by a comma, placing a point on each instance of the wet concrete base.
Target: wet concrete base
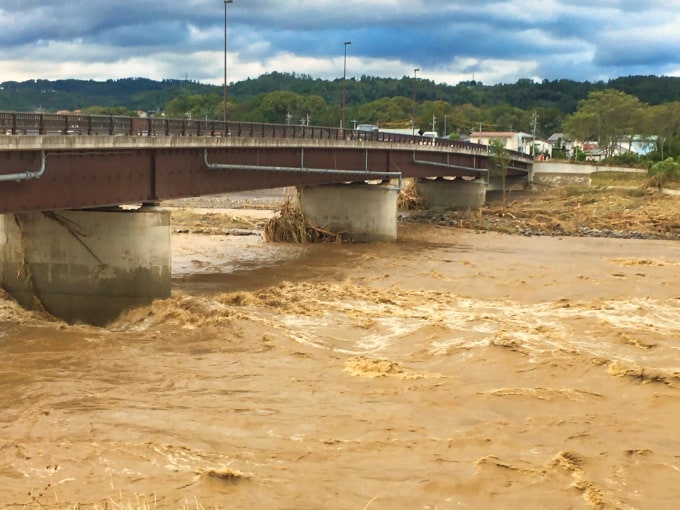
{"x": 367, "y": 211}
{"x": 451, "y": 194}
{"x": 86, "y": 266}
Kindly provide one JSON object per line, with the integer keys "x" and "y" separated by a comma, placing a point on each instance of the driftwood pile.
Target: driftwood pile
{"x": 597, "y": 212}
{"x": 408, "y": 199}
{"x": 290, "y": 226}
{"x": 594, "y": 211}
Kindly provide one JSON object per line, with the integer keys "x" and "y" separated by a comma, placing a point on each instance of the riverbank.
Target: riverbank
{"x": 571, "y": 211}
{"x": 617, "y": 209}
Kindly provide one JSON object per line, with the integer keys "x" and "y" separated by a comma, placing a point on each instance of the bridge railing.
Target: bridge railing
{"x": 17, "y": 123}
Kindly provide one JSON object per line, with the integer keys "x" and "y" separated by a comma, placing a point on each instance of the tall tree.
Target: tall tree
{"x": 388, "y": 110}
{"x": 663, "y": 121}
{"x": 606, "y": 116}
{"x": 197, "y": 106}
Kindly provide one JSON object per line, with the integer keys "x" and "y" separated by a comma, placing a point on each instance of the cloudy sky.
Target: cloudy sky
{"x": 492, "y": 41}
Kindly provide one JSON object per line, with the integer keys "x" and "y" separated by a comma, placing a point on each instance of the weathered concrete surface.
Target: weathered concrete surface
{"x": 451, "y": 194}
{"x": 512, "y": 182}
{"x": 562, "y": 174}
{"x": 86, "y": 266}
{"x": 104, "y": 142}
{"x": 366, "y": 211}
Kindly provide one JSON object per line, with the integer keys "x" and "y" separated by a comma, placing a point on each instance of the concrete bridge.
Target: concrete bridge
{"x": 66, "y": 247}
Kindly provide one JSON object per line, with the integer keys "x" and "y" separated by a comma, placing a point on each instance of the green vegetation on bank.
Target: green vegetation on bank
{"x": 618, "y": 179}
{"x": 665, "y": 173}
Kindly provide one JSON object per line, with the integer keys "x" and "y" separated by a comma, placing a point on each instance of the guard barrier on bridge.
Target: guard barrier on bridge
{"x": 16, "y": 123}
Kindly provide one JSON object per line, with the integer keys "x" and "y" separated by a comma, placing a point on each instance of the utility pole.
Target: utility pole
{"x": 224, "y": 106}
{"x": 434, "y": 123}
{"x": 344, "y": 80}
{"x": 413, "y": 113}
{"x": 534, "y": 118}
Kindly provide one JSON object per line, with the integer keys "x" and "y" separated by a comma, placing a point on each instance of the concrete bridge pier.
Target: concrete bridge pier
{"x": 368, "y": 212}
{"x": 512, "y": 183}
{"x": 86, "y": 265}
{"x": 458, "y": 193}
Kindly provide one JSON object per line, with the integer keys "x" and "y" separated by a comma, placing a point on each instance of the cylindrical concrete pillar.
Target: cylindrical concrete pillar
{"x": 86, "y": 266}
{"x": 368, "y": 212}
{"x": 451, "y": 194}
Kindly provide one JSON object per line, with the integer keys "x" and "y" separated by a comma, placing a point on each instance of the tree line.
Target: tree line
{"x": 604, "y": 111}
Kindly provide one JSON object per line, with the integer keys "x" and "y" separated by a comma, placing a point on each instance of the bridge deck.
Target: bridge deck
{"x": 75, "y": 171}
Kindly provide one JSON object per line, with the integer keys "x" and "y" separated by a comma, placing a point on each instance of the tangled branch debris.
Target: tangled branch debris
{"x": 408, "y": 199}
{"x": 290, "y": 226}
{"x": 592, "y": 212}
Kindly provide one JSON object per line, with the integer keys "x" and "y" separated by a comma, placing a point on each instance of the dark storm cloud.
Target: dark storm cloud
{"x": 92, "y": 20}
{"x": 547, "y": 38}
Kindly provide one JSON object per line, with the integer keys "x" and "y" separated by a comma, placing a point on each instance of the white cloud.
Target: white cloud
{"x": 498, "y": 40}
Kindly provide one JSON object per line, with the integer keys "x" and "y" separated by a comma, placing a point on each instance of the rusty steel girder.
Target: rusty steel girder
{"x": 108, "y": 171}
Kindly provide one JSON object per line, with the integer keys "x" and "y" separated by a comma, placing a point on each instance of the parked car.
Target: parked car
{"x": 430, "y": 137}
{"x": 364, "y": 131}
{"x": 371, "y": 128}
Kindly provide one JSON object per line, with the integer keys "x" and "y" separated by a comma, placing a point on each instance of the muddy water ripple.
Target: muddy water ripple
{"x": 448, "y": 370}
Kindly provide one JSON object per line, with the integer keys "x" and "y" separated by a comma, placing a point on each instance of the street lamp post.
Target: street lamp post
{"x": 413, "y": 113}
{"x": 445, "y": 117}
{"x": 224, "y": 106}
{"x": 344, "y": 79}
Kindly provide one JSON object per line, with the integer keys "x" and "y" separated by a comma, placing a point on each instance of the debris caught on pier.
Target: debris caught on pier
{"x": 289, "y": 225}
{"x": 408, "y": 198}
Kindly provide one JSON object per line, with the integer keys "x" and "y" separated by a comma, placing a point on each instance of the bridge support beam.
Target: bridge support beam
{"x": 451, "y": 194}
{"x": 367, "y": 212}
{"x": 86, "y": 266}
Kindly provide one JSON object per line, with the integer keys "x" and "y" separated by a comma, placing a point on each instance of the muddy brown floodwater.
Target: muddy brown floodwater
{"x": 447, "y": 370}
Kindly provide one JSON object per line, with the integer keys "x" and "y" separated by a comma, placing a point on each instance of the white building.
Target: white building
{"x": 513, "y": 141}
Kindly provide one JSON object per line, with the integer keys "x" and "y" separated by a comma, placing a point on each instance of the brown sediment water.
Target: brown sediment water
{"x": 447, "y": 370}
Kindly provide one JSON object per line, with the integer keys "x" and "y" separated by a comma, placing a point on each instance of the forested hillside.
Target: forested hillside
{"x": 294, "y": 98}
{"x": 150, "y": 95}
{"x": 131, "y": 93}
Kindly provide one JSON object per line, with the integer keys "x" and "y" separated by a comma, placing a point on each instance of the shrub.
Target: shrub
{"x": 664, "y": 172}
{"x": 627, "y": 159}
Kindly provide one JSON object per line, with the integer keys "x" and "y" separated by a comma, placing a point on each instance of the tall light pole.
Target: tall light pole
{"x": 344, "y": 79}
{"x": 413, "y": 113}
{"x": 224, "y": 106}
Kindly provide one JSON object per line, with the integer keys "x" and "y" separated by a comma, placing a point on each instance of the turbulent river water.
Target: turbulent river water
{"x": 450, "y": 369}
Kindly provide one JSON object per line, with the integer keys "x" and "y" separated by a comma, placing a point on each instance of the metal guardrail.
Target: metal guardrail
{"x": 26, "y": 124}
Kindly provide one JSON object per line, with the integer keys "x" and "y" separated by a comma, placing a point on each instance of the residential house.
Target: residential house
{"x": 559, "y": 141}
{"x": 592, "y": 151}
{"x": 510, "y": 139}
{"x": 513, "y": 141}
{"x": 637, "y": 144}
